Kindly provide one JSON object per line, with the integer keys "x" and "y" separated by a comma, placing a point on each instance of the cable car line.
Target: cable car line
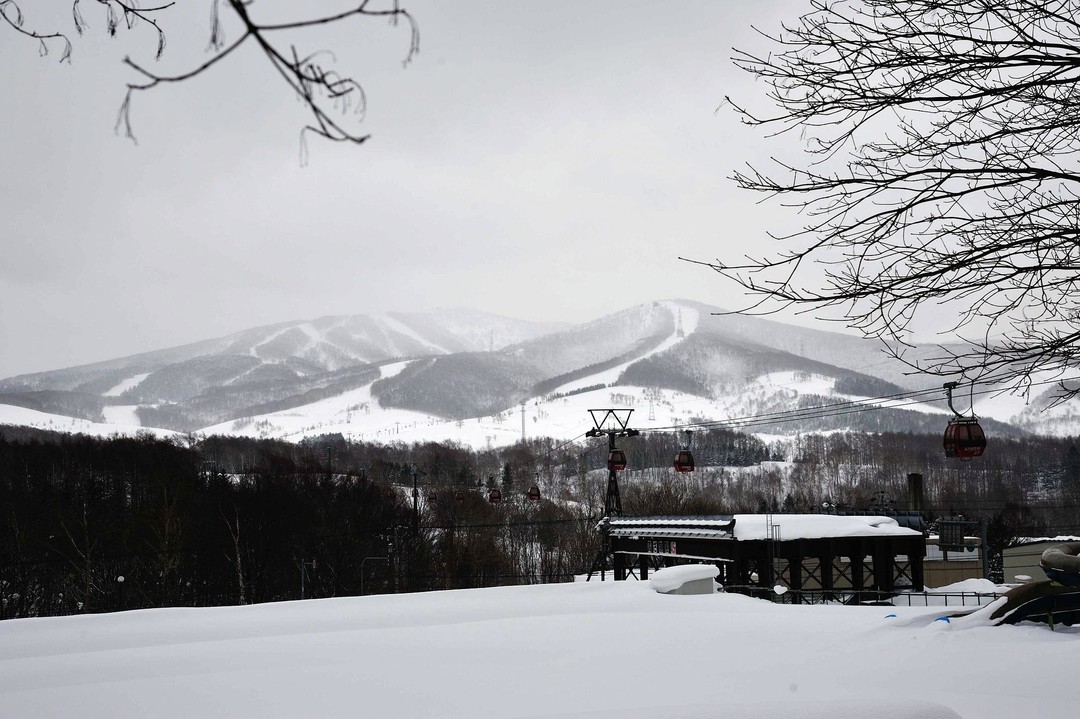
{"x": 902, "y": 399}
{"x": 898, "y": 400}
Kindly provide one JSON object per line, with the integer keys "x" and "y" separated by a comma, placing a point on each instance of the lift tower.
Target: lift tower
{"x": 611, "y": 423}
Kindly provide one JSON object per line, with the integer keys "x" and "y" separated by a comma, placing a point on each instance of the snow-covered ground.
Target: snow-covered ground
{"x": 595, "y": 650}
{"x": 119, "y": 418}
{"x": 124, "y": 386}
{"x": 124, "y": 415}
{"x": 688, "y": 318}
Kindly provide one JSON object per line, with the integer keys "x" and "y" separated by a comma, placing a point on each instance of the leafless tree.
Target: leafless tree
{"x": 329, "y": 97}
{"x": 935, "y": 164}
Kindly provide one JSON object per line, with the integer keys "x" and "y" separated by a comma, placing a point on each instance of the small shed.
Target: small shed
{"x": 961, "y": 561}
{"x": 1022, "y": 558}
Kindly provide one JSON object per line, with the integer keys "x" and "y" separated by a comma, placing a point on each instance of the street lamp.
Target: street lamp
{"x": 120, "y": 587}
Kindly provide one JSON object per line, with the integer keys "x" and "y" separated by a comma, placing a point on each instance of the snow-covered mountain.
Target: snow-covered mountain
{"x": 479, "y": 378}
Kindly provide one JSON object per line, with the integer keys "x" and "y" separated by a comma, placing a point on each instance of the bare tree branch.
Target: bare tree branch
{"x": 330, "y": 97}
{"x": 938, "y": 173}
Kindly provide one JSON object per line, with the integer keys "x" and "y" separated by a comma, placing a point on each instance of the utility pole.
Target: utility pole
{"x": 304, "y": 564}
{"x": 395, "y": 554}
{"x": 611, "y": 423}
{"x": 415, "y": 471}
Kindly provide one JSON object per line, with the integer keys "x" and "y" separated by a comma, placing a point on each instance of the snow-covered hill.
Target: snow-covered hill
{"x": 485, "y": 380}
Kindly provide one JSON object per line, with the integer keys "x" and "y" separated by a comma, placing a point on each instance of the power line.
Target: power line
{"x": 837, "y": 409}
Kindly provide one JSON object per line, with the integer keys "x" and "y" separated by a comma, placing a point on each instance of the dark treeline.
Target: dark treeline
{"x": 196, "y": 522}
{"x": 180, "y": 527}
{"x": 234, "y": 521}
{"x": 225, "y": 520}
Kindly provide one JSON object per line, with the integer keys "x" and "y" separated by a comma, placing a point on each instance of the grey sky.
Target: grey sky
{"x": 546, "y": 161}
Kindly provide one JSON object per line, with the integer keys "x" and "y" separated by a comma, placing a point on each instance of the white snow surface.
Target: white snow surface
{"x": 596, "y": 650}
{"x": 402, "y": 328}
{"x": 122, "y": 414}
{"x": 1059, "y": 538}
{"x": 23, "y": 417}
{"x": 816, "y": 526}
{"x": 689, "y": 317}
{"x": 127, "y": 384}
{"x": 791, "y": 526}
{"x": 978, "y": 585}
{"x": 669, "y": 578}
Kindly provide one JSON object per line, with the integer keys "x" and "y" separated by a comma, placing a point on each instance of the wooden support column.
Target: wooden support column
{"x": 884, "y": 558}
{"x": 918, "y": 578}
{"x": 619, "y": 566}
{"x": 766, "y": 575}
{"x": 795, "y": 574}
{"x": 643, "y": 566}
{"x": 858, "y": 578}
{"x": 825, "y": 561}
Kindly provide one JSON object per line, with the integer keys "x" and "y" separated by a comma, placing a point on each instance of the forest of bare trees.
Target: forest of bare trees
{"x": 233, "y": 521}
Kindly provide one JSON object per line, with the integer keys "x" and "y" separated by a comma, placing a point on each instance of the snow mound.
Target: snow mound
{"x": 671, "y": 578}
{"x": 980, "y": 586}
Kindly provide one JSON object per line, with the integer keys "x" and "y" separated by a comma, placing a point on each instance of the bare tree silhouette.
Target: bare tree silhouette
{"x": 330, "y": 97}
{"x": 936, "y": 170}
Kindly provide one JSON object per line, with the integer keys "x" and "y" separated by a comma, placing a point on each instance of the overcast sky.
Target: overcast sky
{"x": 545, "y": 161}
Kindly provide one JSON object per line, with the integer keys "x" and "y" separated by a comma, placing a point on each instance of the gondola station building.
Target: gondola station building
{"x": 850, "y": 556}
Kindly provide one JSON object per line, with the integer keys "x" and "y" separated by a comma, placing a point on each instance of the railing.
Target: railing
{"x": 867, "y": 596}
{"x": 944, "y": 599}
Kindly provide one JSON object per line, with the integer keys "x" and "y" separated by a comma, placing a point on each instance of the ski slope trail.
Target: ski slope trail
{"x": 686, "y": 322}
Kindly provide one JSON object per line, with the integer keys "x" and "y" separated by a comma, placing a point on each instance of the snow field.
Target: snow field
{"x": 599, "y": 649}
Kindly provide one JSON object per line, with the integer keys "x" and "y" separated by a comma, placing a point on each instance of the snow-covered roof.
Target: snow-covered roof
{"x": 671, "y": 578}
{"x": 1036, "y": 540}
{"x": 674, "y": 527}
{"x": 753, "y": 526}
{"x": 819, "y": 526}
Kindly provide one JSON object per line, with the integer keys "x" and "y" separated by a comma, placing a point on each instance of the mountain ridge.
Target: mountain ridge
{"x": 679, "y": 359}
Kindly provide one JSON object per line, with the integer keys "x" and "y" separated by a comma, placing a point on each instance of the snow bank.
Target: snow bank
{"x": 979, "y": 586}
{"x": 671, "y": 578}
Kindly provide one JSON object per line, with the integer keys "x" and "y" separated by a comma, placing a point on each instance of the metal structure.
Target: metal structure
{"x": 612, "y": 423}
{"x": 853, "y": 568}
{"x": 415, "y": 472}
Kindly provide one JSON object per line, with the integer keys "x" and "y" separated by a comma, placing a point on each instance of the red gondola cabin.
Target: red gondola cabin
{"x": 534, "y": 494}
{"x": 684, "y": 461}
{"x": 616, "y": 460}
{"x": 494, "y": 496}
{"x": 964, "y": 438}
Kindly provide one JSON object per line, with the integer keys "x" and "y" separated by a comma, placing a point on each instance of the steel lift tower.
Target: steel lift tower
{"x": 612, "y": 423}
